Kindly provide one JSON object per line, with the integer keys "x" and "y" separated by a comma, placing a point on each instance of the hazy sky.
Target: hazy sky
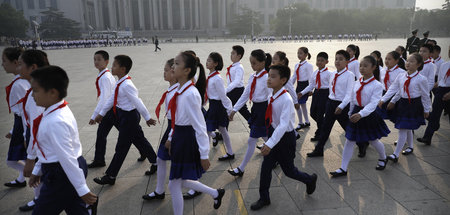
{"x": 429, "y": 4}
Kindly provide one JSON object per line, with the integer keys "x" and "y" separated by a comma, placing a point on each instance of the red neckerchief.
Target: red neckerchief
{"x": 207, "y": 80}
{"x": 96, "y": 82}
{"x": 335, "y": 79}
{"x": 255, "y": 78}
{"x": 406, "y": 85}
{"x": 228, "y": 72}
{"x": 387, "y": 77}
{"x": 298, "y": 68}
{"x": 116, "y": 93}
{"x": 358, "y": 93}
{"x": 8, "y": 92}
{"x": 268, "y": 115}
{"x": 173, "y": 104}
{"x": 318, "y": 81}
{"x": 163, "y": 97}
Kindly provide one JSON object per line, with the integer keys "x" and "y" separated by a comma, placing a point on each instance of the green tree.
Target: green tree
{"x": 56, "y": 26}
{"x": 242, "y": 23}
{"x": 12, "y": 22}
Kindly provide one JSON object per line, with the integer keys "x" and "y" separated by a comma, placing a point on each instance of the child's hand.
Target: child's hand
{"x": 89, "y": 198}
{"x": 297, "y": 106}
{"x": 310, "y": 93}
{"x": 390, "y": 106}
{"x": 8, "y": 135}
{"x": 151, "y": 122}
{"x": 91, "y": 122}
{"x": 232, "y": 115}
{"x": 205, "y": 164}
{"x": 29, "y": 165}
{"x": 380, "y": 104}
{"x": 426, "y": 115}
{"x": 299, "y": 95}
{"x": 355, "y": 118}
{"x": 34, "y": 181}
{"x": 446, "y": 97}
{"x": 265, "y": 150}
{"x": 167, "y": 145}
{"x": 435, "y": 85}
{"x": 98, "y": 118}
{"x": 338, "y": 111}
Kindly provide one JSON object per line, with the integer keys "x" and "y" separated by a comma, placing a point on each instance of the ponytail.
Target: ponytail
{"x": 201, "y": 82}
{"x": 268, "y": 61}
{"x": 306, "y": 51}
{"x": 396, "y": 56}
{"x": 403, "y": 51}
{"x": 357, "y": 52}
{"x": 193, "y": 63}
{"x": 373, "y": 61}
{"x": 379, "y": 59}
{"x": 355, "y": 48}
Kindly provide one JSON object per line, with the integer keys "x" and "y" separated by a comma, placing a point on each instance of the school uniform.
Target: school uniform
{"x": 302, "y": 74}
{"x": 104, "y": 84}
{"x": 258, "y": 93}
{"x": 320, "y": 82}
{"x": 189, "y": 140}
{"x": 341, "y": 86}
{"x": 428, "y": 71}
{"x": 282, "y": 142}
{"x": 128, "y": 108}
{"x": 30, "y": 112}
{"x": 235, "y": 86}
{"x": 219, "y": 104}
{"x": 353, "y": 66}
{"x": 438, "y": 104}
{"x": 14, "y": 92}
{"x": 387, "y": 78}
{"x": 365, "y": 97}
{"x": 163, "y": 153}
{"x": 61, "y": 165}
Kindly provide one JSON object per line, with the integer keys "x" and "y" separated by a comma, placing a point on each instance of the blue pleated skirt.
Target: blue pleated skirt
{"x": 368, "y": 128}
{"x": 301, "y": 85}
{"x": 383, "y": 112}
{"x": 17, "y": 149}
{"x": 409, "y": 115}
{"x": 216, "y": 115}
{"x": 257, "y": 120}
{"x": 163, "y": 152}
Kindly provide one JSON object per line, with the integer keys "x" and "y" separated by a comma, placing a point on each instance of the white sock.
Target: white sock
{"x": 248, "y": 154}
{"x": 212, "y": 134}
{"x": 31, "y": 203}
{"x": 177, "y": 196}
{"x": 299, "y": 115}
{"x": 409, "y": 139}
{"x": 160, "y": 175}
{"x": 191, "y": 192}
{"x": 17, "y": 165}
{"x": 305, "y": 112}
{"x": 226, "y": 139}
{"x": 347, "y": 154}
{"x": 37, "y": 191}
{"x": 380, "y": 149}
{"x": 198, "y": 186}
{"x": 402, "y": 135}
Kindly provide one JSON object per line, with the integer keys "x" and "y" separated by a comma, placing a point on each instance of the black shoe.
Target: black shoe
{"x": 259, "y": 204}
{"x": 191, "y": 196}
{"x": 219, "y": 136}
{"x": 297, "y": 136}
{"x": 299, "y": 126}
{"x": 338, "y": 174}
{"x": 395, "y": 143}
{"x": 395, "y": 159}
{"x": 26, "y": 207}
{"x": 307, "y": 124}
{"x": 142, "y": 158}
{"x": 423, "y": 140}
{"x": 315, "y": 138}
{"x": 379, "y": 167}
{"x": 152, "y": 170}
{"x": 240, "y": 173}
{"x": 215, "y": 141}
{"x": 362, "y": 149}
{"x": 408, "y": 151}
{"x": 259, "y": 147}
{"x": 218, "y": 200}
{"x": 17, "y": 184}
{"x": 95, "y": 164}
{"x": 228, "y": 157}
{"x": 105, "y": 180}
{"x": 156, "y": 196}
{"x": 315, "y": 153}
{"x": 311, "y": 186}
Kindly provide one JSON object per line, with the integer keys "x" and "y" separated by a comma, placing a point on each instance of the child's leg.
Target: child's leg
{"x": 409, "y": 139}
{"x": 198, "y": 186}
{"x": 102, "y": 133}
{"x": 161, "y": 176}
{"x": 226, "y": 139}
{"x": 402, "y": 136}
{"x": 305, "y": 112}
{"x": 299, "y": 115}
{"x": 17, "y": 165}
{"x": 248, "y": 155}
{"x": 380, "y": 149}
{"x": 177, "y": 196}
{"x": 347, "y": 154}
{"x": 265, "y": 177}
{"x": 211, "y": 134}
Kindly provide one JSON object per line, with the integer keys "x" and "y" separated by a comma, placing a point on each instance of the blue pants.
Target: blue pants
{"x": 129, "y": 132}
{"x": 234, "y": 96}
{"x": 435, "y": 115}
{"x": 57, "y": 193}
{"x": 284, "y": 153}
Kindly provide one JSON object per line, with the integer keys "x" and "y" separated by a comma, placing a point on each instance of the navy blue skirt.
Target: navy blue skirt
{"x": 409, "y": 115}
{"x": 383, "y": 112}
{"x": 319, "y": 103}
{"x": 257, "y": 120}
{"x": 301, "y": 85}
{"x": 185, "y": 155}
{"x": 216, "y": 115}
{"x": 163, "y": 152}
{"x": 368, "y": 128}
{"x": 17, "y": 149}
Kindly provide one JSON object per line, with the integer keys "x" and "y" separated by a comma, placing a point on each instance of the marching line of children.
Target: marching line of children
{"x": 359, "y": 106}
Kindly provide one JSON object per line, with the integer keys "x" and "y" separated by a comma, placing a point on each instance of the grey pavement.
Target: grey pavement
{"x": 418, "y": 184}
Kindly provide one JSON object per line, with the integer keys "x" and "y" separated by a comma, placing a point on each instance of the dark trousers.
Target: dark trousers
{"x": 105, "y": 126}
{"x": 284, "y": 154}
{"x": 129, "y": 132}
{"x": 437, "y": 108}
{"x": 318, "y": 108}
{"x": 57, "y": 193}
{"x": 157, "y": 47}
{"x": 234, "y": 96}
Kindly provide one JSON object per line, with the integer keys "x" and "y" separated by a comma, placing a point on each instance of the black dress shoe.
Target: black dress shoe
{"x": 26, "y": 207}
{"x": 105, "y": 180}
{"x": 379, "y": 167}
{"x": 311, "y": 186}
{"x": 152, "y": 170}
{"x": 95, "y": 164}
{"x": 141, "y": 158}
{"x": 259, "y": 204}
{"x": 228, "y": 157}
{"x": 394, "y": 159}
{"x": 395, "y": 143}
{"x": 362, "y": 149}
{"x": 219, "y": 136}
{"x": 338, "y": 174}
{"x": 240, "y": 173}
{"x": 156, "y": 196}
{"x": 307, "y": 124}
{"x": 297, "y": 136}
{"x": 423, "y": 140}
{"x": 215, "y": 141}
{"x": 259, "y": 146}
{"x": 315, "y": 153}
{"x": 191, "y": 196}
{"x": 17, "y": 184}
{"x": 315, "y": 138}
{"x": 408, "y": 151}
{"x": 218, "y": 199}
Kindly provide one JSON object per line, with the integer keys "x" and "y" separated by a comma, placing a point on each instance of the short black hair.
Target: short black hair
{"x": 52, "y": 77}
{"x": 12, "y": 53}
{"x": 124, "y": 61}
{"x": 283, "y": 70}
{"x": 437, "y": 48}
{"x": 38, "y": 57}
{"x": 103, "y": 53}
{"x": 343, "y": 53}
{"x": 217, "y": 58}
{"x": 323, "y": 55}
{"x": 239, "y": 50}
{"x": 429, "y": 47}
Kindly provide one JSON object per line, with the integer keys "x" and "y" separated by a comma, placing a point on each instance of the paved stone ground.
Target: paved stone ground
{"x": 417, "y": 184}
